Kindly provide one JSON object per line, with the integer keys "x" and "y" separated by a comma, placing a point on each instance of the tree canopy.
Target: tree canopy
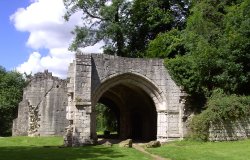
{"x": 206, "y": 43}
{"x": 103, "y": 20}
{"x": 125, "y": 26}
{"x": 212, "y": 51}
{"x": 11, "y": 89}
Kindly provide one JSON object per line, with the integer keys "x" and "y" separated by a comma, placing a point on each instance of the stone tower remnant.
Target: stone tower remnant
{"x": 43, "y": 108}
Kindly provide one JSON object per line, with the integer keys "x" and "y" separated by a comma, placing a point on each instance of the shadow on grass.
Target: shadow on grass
{"x": 57, "y": 153}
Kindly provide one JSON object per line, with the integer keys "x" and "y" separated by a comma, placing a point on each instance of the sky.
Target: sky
{"x": 34, "y": 36}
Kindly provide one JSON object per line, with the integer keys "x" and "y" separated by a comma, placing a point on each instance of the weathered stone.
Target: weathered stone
{"x": 108, "y": 144}
{"x": 43, "y": 109}
{"x": 149, "y": 103}
{"x": 153, "y": 144}
{"x": 68, "y": 137}
{"x": 230, "y": 130}
{"x": 126, "y": 143}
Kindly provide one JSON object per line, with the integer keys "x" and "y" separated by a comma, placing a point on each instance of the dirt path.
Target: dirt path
{"x": 141, "y": 149}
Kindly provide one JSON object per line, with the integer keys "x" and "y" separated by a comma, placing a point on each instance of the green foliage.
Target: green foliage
{"x": 184, "y": 72}
{"x": 102, "y": 21}
{"x": 105, "y": 118}
{"x": 219, "y": 108}
{"x": 166, "y": 45}
{"x": 236, "y": 42}
{"x": 193, "y": 150}
{"x": 148, "y": 18}
{"x": 212, "y": 51}
{"x": 199, "y": 127}
{"x": 211, "y": 54}
{"x": 125, "y": 26}
{"x": 11, "y": 88}
{"x": 231, "y": 107}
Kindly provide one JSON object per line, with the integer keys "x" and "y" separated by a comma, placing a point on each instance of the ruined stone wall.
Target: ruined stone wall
{"x": 230, "y": 130}
{"x": 79, "y": 108}
{"x": 43, "y": 109}
{"x": 21, "y": 124}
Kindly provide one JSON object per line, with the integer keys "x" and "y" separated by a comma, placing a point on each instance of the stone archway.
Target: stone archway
{"x": 150, "y": 104}
{"x": 136, "y": 100}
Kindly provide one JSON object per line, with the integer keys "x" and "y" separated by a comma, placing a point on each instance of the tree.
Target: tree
{"x": 152, "y": 17}
{"x": 213, "y": 49}
{"x": 166, "y": 45}
{"x": 103, "y": 20}
{"x": 235, "y": 46}
{"x": 11, "y": 88}
{"x": 211, "y": 52}
{"x": 125, "y": 26}
{"x": 214, "y": 37}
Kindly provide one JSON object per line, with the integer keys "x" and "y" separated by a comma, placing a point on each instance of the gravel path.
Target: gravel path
{"x": 140, "y": 148}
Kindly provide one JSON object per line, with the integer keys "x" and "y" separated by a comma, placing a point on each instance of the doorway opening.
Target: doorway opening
{"x": 132, "y": 112}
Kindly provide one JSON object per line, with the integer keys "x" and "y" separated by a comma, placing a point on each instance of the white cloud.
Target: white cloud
{"x": 32, "y": 65}
{"x": 37, "y": 63}
{"x": 43, "y": 19}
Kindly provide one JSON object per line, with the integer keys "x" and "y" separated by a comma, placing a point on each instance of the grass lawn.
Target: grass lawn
{"x": 189, "y": 150}
{"x": 102, "y": 132}
{"x": 47, "y": 148}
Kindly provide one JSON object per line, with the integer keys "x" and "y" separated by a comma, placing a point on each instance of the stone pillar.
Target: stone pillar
{"x": 70, "y": 109}
{"x": 82, "y": 126}
{"x": 162, "y": 126}
{"x": 83, "y": 113}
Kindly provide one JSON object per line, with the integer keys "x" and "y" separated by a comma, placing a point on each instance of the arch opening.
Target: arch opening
{"x": 107, "y": 119}
{"x": 134, "y": 105}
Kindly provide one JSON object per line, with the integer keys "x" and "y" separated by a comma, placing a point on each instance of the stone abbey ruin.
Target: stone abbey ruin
{"x": 147, "y": 102}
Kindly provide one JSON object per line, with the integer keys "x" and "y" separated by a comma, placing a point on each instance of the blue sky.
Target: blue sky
{"x": 12, "y": 43}
{"x": 34, "y": 36}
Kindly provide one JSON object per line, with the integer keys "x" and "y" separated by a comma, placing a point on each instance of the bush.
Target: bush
{"x": 219, "y": 107}
{"x": 199, "y": 126}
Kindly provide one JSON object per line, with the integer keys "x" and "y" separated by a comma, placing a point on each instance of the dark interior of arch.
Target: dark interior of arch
{"x": 135, "y": 110}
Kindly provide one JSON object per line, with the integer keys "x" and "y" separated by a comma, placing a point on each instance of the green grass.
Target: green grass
{"x": 102, "y": 132}
{"x": 189, "y": 150}
{"x": 47, "y": 148}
